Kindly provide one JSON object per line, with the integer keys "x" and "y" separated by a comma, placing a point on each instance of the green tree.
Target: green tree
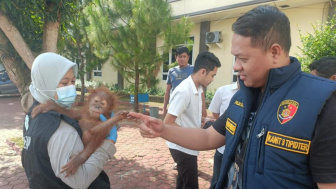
{"x": 321, "y": 43}
{"x": 128, "y": 31}
{"x": 76, "y": 46}
{"x": 29, "y": 28}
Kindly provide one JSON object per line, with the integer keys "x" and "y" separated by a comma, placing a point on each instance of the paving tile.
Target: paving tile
{"x": 138, "y": 162}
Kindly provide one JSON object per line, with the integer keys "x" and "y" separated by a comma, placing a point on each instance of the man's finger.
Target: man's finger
{"x": 143, "y": 128}
{"x": 139, "y": 115}
{"x": 148, "y": 136}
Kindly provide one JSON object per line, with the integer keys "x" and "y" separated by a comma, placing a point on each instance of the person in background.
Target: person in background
{"x": 185, "y": 110}
{"x": 177, "y": 74}
{"x": 324, "y": 67}
{"x": 280, "y": 127}
{"x": 218, "y": 105}
{"x": 52, "y": 138}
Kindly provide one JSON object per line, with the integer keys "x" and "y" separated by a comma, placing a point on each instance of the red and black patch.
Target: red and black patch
{"x": 287, "y": 110}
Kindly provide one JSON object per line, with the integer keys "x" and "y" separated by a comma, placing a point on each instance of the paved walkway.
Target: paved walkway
{"x": 138, "y": 163}
{"x": 11, "y": 120}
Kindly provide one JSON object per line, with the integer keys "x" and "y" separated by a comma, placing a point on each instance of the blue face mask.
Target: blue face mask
{"x": 66, "y": 96}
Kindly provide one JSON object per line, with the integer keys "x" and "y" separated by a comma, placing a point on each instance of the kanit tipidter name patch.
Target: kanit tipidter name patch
{"x": 287, "y": 110}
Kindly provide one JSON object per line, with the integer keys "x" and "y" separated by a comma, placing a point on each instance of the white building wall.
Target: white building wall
{"x": 301, "y": 17}
{"x": 191, "y": 6}
{"x": 109, "y": 75}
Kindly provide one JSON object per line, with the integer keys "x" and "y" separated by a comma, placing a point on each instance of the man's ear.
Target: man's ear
{"x": 333, "y": 77}
{"x": 276, "y": 51}
{"x": 203, "y": 71}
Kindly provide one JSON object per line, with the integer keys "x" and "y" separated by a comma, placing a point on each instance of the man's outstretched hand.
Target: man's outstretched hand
{"x": 150, "y": 127}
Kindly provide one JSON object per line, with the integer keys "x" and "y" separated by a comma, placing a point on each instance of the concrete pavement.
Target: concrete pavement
{"x": 138, "y": 163}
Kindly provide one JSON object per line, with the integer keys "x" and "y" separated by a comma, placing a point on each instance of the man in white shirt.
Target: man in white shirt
{"x": 218, "y": 105}
{"x": 185, "y": 110}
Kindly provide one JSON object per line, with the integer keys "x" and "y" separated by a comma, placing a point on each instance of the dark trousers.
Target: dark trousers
{"x": 216, "y": 169}
{"x": 187, "y": 171}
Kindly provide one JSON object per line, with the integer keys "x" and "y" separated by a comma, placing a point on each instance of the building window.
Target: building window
{"x": 97, "y": 71}
{"x": 170, "y": 61}
{"x": 234, "y": 73}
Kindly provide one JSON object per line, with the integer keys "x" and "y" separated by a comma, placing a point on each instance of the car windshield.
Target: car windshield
{"x": 2, "y": 68}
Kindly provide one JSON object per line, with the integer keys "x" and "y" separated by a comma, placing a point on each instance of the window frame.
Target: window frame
{"x": 234, "y": 73}
{"x": 97, "y": 71}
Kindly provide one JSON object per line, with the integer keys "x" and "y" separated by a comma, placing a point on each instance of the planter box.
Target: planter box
{"x": 159, "y": 99}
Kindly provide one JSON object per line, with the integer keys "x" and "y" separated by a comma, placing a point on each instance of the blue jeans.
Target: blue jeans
{"x": 216, "y": 169}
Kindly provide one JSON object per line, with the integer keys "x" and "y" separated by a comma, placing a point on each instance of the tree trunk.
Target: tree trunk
{"x": 136, "y": 85}
{"x": 136, "y": 91}
{"x": 81, "y": 70}
{"x": 120, "y": 81}
{"x": 153, "y": 73}
{"x": 51, "y": 29}
{"x": 18, "y": 72}
{"x": 17, "y": 40}
{"x": 50, "y": 36}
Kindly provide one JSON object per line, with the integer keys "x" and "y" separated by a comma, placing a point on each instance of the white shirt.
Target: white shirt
{"x": 221, "y": 101}
{"x": 186, "y": 104}
{"x": 66, "y": 142}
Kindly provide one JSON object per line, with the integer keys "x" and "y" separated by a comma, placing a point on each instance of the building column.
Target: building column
{"x": 332, "y": 5}
{"x": 205, "y": 27}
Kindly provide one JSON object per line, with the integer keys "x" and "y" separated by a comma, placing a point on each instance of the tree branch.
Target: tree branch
{"x": 17, "y": 40}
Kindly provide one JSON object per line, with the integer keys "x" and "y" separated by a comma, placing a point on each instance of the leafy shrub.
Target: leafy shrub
{"x": 92, "y": 84}
{"x": 209, "y": 95}
{"x": 320, "y": 44}
{"x": 157, "y": 91}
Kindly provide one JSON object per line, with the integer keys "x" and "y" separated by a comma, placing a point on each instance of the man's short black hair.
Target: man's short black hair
{"x": 207, "y": 61}
{"x": 325, "y": 67}
{"x": 182, "y": 50}
{"x": 265, "y": 25}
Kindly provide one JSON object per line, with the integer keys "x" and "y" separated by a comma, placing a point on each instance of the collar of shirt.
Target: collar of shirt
{"x": 193, "y": 86}
{"x": 234, "y": 86}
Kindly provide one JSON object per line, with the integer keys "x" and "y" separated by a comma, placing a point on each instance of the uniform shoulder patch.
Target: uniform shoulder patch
{"x": 231, "y": 126}
{"x": 287, "y": 110}
{"x": 240, "y": 104}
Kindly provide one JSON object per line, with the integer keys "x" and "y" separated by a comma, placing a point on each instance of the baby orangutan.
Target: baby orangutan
{"x": 100, "y": 101}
